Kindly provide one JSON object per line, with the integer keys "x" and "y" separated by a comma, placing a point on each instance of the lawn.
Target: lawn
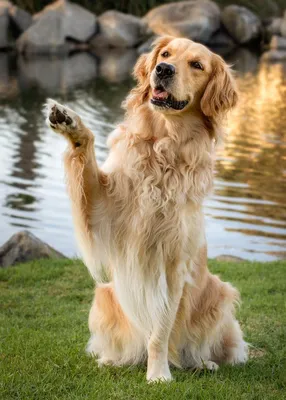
{"x": 43, "y": 332}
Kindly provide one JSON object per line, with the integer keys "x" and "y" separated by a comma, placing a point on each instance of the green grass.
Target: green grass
{"x": 43, "y": 332}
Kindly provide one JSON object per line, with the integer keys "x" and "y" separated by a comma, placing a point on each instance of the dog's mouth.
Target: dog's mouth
{"x": 161, "y": 98}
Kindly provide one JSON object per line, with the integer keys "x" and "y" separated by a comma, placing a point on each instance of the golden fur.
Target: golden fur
{"x": 139, "y": 219}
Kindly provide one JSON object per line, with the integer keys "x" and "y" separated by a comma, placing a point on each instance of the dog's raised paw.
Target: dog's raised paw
{"x": 60, "y": 118}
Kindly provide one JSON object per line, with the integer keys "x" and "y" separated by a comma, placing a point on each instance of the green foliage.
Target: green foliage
{"x": 43, "y": 332}
{"x": 264, "y": 8}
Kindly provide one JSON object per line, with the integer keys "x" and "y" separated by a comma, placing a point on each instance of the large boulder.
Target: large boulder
{"x": 197, "y": 20}
{"x": 77, "y": 22}
{"x": 4, "y": 23}
{"x": 45, "y": 36}
{"x": 221, "y": 39}
{"x": 21, "y": 19}
{"x": 119, "y": 30}
{"x": 54, "y": 24}
{"x": 242, "y": 24}
{"x": 23, "y": 247}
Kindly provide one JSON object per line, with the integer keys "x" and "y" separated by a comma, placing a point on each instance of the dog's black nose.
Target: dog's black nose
{"x": 164, "y": 70}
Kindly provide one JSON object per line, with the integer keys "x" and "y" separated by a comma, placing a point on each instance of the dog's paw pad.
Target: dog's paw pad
{"x": 59, "y": 117}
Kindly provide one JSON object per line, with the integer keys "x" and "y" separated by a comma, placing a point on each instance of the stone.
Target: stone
{"x": 21, "y": 19}
{"x": 274, "y": 26}
{"x": 78, "y": 23}
{"x": 23, "y": 247}
{"x": 4, "y": 24}
{"x": 283, "y": 25}
{"x": 271, "y": 27}
{"x": 53, "y": 25}
{"x": 278, "y": 43}
{"x": 45, "y": 36}
{"x": 221, "y": 39}
{"x": 274, "y": 55}
{"x": 242, "y": 24}
{"x": 119, "y": 30}
{"x": 197, "y": 20}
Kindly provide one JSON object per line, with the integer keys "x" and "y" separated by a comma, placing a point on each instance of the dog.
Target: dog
{"x": 139, "y": 218}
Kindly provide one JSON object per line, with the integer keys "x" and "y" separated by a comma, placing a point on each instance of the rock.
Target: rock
{"x": 229, "y": 258}
{"x": 274, "y": 26}
{"x": 278, "y": 43}
{"x": 197, "y": 20}
{"x": 4, "y": 23}
{"x": 21, "y": 19}
{"x": 45, "y": 36}
{"x": 23, "y": 247}
{"x": 271, "y": 27}
{"x": 283, "y": 25}
{"x": 242, "y": 24}
{"x": 53, "y": 25}
{"x": 119, "y": 30}
{"x": 221, "y": 39}
{"x": 274, "y": 55}
{"x": 78, "y": 23}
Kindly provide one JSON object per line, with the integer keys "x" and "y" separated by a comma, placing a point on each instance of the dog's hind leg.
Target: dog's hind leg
{"x": 113, "y": 339}
{"x": 84, "y": 179}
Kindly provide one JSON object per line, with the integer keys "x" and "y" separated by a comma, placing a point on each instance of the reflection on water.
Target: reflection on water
{"x": 245, "y": 215}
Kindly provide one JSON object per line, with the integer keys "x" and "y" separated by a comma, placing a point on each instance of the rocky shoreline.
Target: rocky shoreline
{"x": 63, "y": 27}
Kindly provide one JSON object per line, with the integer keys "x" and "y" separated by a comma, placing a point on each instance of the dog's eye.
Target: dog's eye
{"x": 197, "y": 65}
{"x": 165, "y": 54}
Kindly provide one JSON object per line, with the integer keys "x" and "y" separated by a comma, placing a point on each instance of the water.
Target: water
{"x": 246, "y": 214}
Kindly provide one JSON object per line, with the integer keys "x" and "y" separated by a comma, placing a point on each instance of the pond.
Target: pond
{"x": 246, "y": 214}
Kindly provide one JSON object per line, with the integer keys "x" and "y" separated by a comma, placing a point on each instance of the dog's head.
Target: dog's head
{"x": 180, "y": 75}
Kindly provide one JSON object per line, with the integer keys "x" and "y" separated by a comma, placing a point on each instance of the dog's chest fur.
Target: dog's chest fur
{"x": 153, "y": 187}
{"x": 156, "y": 225}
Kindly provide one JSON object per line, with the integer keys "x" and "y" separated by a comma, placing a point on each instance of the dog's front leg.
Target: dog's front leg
{"x": 84, "y": 178}
{"x": 158, "y": 366}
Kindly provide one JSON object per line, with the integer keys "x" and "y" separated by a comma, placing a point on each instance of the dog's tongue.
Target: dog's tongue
{"x": 159, "y": 94}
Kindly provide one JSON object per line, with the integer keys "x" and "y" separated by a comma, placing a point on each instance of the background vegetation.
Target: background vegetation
{"x": 264, "y": 8}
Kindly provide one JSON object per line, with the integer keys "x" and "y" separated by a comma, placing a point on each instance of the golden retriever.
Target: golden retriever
{"x": 139, "y": 219}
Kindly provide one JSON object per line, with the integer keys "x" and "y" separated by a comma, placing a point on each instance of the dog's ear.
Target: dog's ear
{"x": 142, "y": 71}
{"x": 220, "y": 94}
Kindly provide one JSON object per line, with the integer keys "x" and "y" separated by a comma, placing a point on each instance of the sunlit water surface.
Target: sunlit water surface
{"x": 246, "y": 214}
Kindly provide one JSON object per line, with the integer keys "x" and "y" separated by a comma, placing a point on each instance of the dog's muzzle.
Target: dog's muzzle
{"x": 164, "y": 70}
